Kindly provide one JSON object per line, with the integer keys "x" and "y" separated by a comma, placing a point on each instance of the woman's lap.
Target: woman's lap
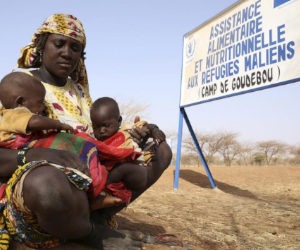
{"x": 21, "y": 223}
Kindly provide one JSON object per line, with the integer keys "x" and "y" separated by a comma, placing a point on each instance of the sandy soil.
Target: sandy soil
{"x": 251, "y": 208}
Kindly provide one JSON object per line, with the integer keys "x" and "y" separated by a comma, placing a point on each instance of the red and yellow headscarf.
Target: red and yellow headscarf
{"x": 62, "y": 24}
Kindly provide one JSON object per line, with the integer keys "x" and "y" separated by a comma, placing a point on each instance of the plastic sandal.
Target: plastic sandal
{"x": 164, "y": 239}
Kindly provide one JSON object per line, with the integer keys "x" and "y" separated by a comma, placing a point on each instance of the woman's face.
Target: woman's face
{"x": 61, "y": 55}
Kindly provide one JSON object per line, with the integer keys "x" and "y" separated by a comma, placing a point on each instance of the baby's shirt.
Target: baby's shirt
{"x": 13, "y": 121}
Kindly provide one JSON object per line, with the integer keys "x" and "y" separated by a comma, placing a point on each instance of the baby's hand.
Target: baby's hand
{"x": 67, "y": 128}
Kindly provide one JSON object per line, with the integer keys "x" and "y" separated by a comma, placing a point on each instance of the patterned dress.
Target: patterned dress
{"x": 69, "y": 104}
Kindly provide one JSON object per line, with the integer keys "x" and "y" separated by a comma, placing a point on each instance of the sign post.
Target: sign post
{"x": 250, "y": 46}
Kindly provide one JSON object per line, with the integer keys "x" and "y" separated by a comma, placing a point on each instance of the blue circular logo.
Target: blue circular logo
{"x": 190, "y": 48}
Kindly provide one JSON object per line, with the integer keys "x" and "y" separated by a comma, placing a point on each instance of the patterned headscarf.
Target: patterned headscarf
{"x": 62, "y": 24}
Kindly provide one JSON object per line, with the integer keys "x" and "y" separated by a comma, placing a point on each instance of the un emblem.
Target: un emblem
{"x": 190, "y": 48}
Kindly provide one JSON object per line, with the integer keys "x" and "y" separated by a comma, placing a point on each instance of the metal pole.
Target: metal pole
{"x": 211, "y": 180}
{"x": 178, "y": 154}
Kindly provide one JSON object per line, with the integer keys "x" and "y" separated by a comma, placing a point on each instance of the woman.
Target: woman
{"x": 47, "y": 205}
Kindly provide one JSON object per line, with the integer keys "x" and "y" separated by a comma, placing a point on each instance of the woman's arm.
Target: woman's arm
{"x": 8, "y": 159}
{"x": 8, "y": 162}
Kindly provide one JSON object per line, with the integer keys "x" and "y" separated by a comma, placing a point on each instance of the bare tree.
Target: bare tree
{"x": 190, "y": 159}
{"x": 295, "y": 153}
{"x": 190, "y": 149}
{"x": 230, "y": 147}
{"x": 130, "y": 110}
{"x": 209, "y": 144}
{"x": 271, "y": 149}
{"x": 212, "y": 143}
{"x": 245, "y": 157}
{"x": 189, "y": 145}
{"x": 226, "y": 145}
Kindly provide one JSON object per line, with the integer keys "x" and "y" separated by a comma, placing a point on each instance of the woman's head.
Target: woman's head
{"x": 63, "y": 28}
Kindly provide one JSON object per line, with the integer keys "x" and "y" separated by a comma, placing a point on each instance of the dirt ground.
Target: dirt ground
{"x": 251, "y": 208}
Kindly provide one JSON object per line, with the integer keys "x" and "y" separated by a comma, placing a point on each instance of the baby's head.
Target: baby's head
{"x": 18, "y": 89}
{"x": 105, "y": 117}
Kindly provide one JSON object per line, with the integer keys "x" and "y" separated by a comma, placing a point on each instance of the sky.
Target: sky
{"x": 134, "y": 53}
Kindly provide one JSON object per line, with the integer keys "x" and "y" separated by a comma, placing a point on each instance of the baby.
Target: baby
{"x": 23, "y": 124}
{"x": 106, "y": 122}
{"x": 23, "y": 112}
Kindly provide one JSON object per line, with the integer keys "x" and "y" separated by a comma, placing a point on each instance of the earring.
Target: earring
{"x": 41, "y": 56}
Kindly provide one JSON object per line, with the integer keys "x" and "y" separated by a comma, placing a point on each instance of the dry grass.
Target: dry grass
{"x": 252, "y": 208}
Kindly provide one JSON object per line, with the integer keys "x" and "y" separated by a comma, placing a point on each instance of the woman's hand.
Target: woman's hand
{"x": 61, "y": 157}
{"x": 141, "y": 134}
{"x": 155, "y": 133}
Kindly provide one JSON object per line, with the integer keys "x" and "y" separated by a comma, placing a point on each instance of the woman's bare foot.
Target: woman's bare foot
{"x": 104, "y": 238}
{"x": 103, "y": 201}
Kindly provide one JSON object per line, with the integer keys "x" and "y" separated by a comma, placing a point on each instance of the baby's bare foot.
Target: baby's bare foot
{"x": 104, "y": 201}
